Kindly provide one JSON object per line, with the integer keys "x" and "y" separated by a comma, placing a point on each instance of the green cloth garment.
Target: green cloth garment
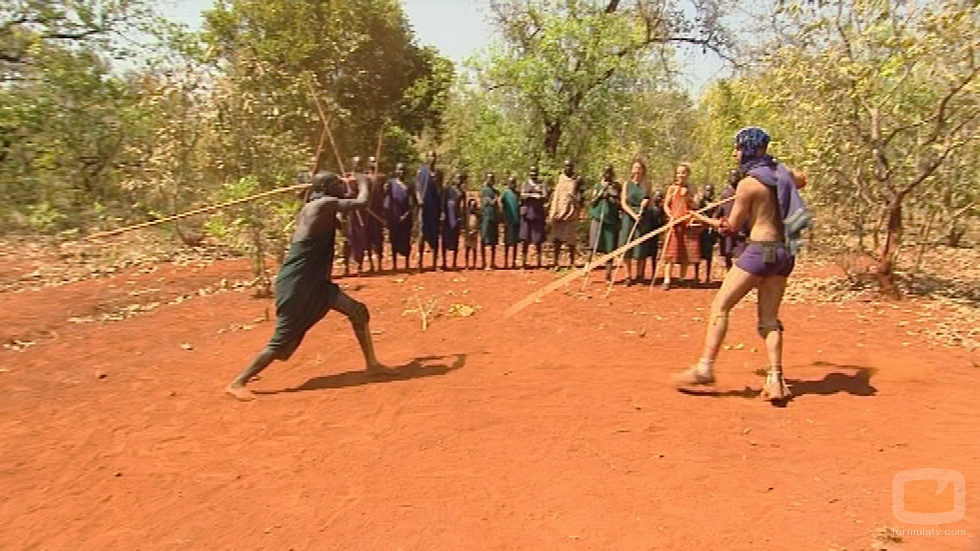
{"x": 607, "y": 211}
{"x": 489, "y": 221}
{"x": 634, "y": 196}
{"x": 512, "y": 216}
{"x": 304, "y": 292}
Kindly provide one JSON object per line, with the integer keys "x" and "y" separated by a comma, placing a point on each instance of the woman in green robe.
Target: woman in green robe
{"x": 634, "y": 200}
{"x": 604, "y": 212}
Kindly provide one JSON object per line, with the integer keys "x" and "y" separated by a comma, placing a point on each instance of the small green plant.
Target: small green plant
{"x": 46, "y": 218}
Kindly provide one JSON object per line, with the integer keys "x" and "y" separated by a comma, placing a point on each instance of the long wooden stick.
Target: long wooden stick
{"x": 201, "y": 210}
{"x": 316, "y": 160}
{"x": 561, "y": 282}
{"x": 326, "y": 124}
{"x": 619, "y": 259}
{"x": 333, "y": 143}
{"x": 595, "y": 247}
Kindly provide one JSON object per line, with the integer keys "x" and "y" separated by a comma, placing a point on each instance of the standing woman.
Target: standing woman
{"x": 604, "y": 211}
{"x": 489, "y": 220}
{"x": 633, "y": 200}
{"x": 681, "y": 248}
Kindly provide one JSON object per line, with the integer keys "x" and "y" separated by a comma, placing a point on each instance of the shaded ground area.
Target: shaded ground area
{"x": 557, "y": 429}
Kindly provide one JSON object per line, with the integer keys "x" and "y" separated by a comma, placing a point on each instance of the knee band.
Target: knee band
{"x": 766, "y": 328}
{"x": 360, "y": 314}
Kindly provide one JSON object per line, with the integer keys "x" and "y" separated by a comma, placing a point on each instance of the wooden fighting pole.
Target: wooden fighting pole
{"x": 316, "y": 160}
{"x": 202, "y": 210}
{"x": 619, "y": 259}
{"x": 326, "y": 124}
{"x": 563, "y": 281}
{"x": 595, "y": 247}
{"x": 324, "y": 134}
{"x": 333, "y": 143}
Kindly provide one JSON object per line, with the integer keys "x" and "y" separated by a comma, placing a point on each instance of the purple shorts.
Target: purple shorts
{"x": 765, "y": 259}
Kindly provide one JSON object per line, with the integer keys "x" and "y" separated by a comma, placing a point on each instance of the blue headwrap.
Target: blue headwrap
{"x": 749, "y": 141}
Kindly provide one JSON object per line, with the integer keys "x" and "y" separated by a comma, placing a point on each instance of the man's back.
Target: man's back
{"x": 315, "y": 218}
{"x": 763, "y": 210}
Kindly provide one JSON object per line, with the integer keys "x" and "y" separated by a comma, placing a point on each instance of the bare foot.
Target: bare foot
{"x": 380, "y": 369}
{"x": 693, "y": 376}
{"x": 775, "y": 389}
{"x": 240, "y": 392}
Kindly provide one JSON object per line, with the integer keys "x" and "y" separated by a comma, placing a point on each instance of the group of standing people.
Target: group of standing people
{"x": 621, "y": 213}
{"x": 438, "y": 215}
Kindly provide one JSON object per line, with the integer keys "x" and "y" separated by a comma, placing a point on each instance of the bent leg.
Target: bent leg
{"x": 357, "y": 313}
{"x": 736, "y": 285}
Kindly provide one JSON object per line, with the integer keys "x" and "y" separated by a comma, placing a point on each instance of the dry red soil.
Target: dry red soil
{"x": 556, "y": 429}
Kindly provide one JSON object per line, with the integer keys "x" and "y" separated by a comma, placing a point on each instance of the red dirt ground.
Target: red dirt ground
{"x": 557, "y": 429}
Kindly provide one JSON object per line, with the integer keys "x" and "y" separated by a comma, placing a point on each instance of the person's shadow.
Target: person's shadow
{"x": 423, "y": 366}
{"x": 857, "y": 383}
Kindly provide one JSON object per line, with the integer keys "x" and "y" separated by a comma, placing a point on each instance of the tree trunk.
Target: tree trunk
{"x": 552, "y": 135}
{"x": 885, "y": 271}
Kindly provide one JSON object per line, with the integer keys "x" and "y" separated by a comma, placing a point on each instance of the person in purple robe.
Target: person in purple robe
{"x": 428, "y": 192}
{"x": 399, "y": 204}
{"x": 453, "y": 198}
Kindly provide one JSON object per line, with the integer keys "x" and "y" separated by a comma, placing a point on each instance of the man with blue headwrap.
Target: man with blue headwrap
{"x": 766, "y": 196}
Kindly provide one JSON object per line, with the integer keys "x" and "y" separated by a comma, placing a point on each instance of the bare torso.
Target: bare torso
{"x": 320, "y": 215}
{"x": 758, "y": 203}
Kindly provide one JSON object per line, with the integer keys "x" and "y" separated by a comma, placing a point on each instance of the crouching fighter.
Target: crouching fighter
{"x": 766, "y": 196}
{"x": 304, "y": 291}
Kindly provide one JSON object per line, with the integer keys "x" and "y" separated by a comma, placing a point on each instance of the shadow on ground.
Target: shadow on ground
{"x": 855, "y": 383}
{"x": 424, "y": 366}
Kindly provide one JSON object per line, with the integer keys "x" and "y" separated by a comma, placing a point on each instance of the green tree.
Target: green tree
{"x": 883, "y": 94}
{"x": 361, "y": 56}
{"x": 65, "y": 116}
{"x": 571, "y": 63}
